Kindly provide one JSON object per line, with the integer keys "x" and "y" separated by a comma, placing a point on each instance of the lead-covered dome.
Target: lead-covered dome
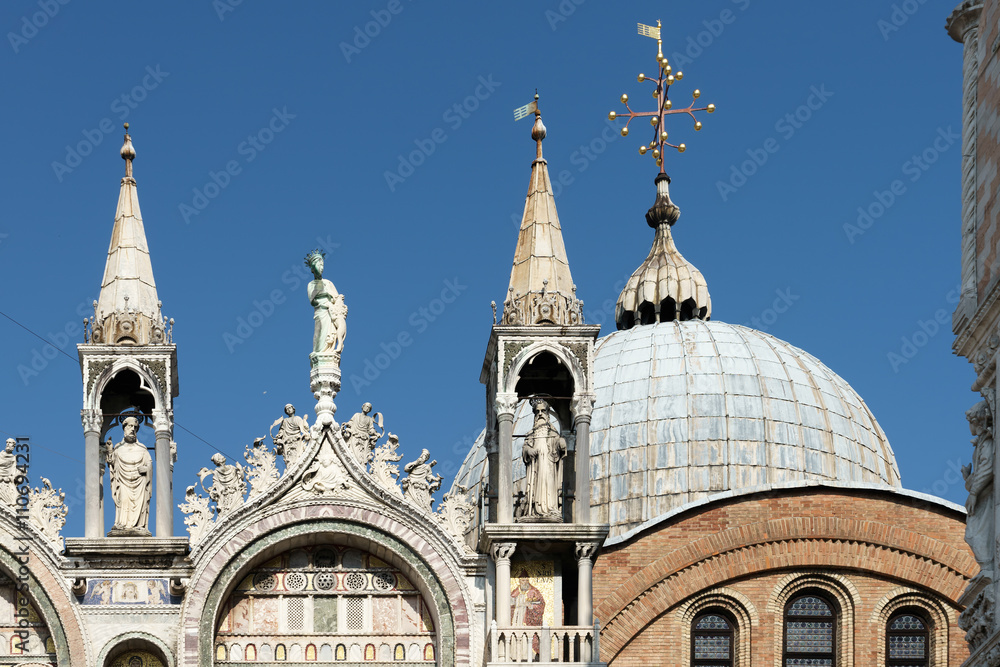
{"x": 686, "y": 410}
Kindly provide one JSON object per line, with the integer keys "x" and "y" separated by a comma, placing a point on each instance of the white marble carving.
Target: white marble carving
{"x": 543, "y": 453}
{"x": 228, "y": 484}
{"x": 47, "y": 509}
{"x": 455, "y": 512}
{"x": 329, "y": 310}
{"x": 292, "y": 436}
{"x": 262, "y": 468}
{"x": 979, "y": 480}
{"x": 131, "y": 481}
{"x": 8, "y": 474}
{"x": 977, "y": 619}
{"x": 326, "y": 475}
{"x": 421, "y": 481}
{"x": 361, "y": 432}
{"x": 200, "y": 517}
{"x": 383, "y": 466}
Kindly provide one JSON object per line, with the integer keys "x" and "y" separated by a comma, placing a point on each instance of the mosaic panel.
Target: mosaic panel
{"x": 128, "y": 591}
{"x": 532, "y": 590}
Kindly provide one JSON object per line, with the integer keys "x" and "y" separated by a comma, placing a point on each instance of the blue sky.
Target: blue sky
{"x": 383, "y": 131}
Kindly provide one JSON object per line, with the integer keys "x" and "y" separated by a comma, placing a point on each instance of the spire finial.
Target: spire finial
{"x": 128, "y": 153}
{"x": 538, "y": 129}
{"x": 664, "y": 105}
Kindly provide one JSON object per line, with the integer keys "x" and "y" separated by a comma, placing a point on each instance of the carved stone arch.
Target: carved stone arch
{"x": 902, "y": 597}
{"x": 135, "y": 641}
{"x": 150, "y": 382}
{"x": 562, "y": 355}
{"x": 394, "y": 543}
{"x": 739, "y": 607}
{"x": 841, "y": 589}
{"x": 66, "y": 631}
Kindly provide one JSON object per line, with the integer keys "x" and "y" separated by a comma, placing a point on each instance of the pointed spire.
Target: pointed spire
{"x": 128, "y": 310}
{"x": 666, "y": 286}
{"x": 541, "y": 288}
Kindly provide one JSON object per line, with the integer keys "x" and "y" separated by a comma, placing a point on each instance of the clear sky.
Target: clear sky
{"x": 383, "y": 131}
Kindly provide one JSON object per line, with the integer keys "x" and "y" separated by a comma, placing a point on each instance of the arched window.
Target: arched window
{"x": 810, "y": 632}
{"x": 907, "y": 640}
{"x": 712, "y": 640}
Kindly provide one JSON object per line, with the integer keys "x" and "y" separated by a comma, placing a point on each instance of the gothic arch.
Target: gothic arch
{"x": 100, "y": 382}
{"x": 135, "y": 641}
{"x": 364, "y": 528}
{"x": 562, "y": 355}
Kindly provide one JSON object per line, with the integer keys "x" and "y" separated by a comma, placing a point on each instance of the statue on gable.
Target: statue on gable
{"x": 228, "y": 484}
{"x": 421, "y": 481}
{"x": 329, "y": 310}
{"x": 8, "y": 474}
{"x": 543, "y": 453}
{"x": 293, "y": 432}
{"x": 979, "y": 478}
{"x": 131, "y": 469}
{"x": 361, "y": 432}
{"x": 383, "y": 466}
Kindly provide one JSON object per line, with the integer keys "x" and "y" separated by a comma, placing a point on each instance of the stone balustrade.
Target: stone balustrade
{"x": 562, "y": 644}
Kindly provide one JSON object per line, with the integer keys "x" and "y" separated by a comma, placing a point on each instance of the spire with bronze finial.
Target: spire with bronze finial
{"x": 541, "y": 289}
{"x": 128, "y": 310}
{"x": 666, "y": 287}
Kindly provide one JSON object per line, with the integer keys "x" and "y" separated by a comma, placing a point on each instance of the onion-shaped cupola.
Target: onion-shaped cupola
{"x": 666, "y": 286}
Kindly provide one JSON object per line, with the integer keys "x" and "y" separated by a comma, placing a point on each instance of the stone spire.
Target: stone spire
{"x": 666, "y": 286}
{"x": 541, "y": 288}
{"x": 128, "y": 310}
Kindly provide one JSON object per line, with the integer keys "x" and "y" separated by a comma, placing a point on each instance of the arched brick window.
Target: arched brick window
{"x": 712, "y": 640}
{"x": 907, "y": 640}
{"x": 810, "y": 631}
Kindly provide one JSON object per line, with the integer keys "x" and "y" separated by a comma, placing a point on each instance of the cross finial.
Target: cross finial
{"x": 664, "y": 106}
{"x": 128, "y": 153}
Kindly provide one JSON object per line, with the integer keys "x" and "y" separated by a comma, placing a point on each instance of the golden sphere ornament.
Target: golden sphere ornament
{"x": 612, "y": 115}
{"x": 696, "y": 94}
{"x": 681, "y": 148}
{"x": 656, "y": 153}
{"x": 624, "y": 131}
{"x": 663, "y": 136}
{"x": 642, "y": 150}
{"x": 668, "y": 105}
{"x": 654, "y": 120}
{"x": 679, "y": 76}
{"x": 624, "y": 99}
{"x": 642, "y": 77}
{"x": 697, "y": 125}
{"x": 710, "y": 108}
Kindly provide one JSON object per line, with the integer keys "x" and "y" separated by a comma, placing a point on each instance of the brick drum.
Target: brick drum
{"x": 872, "y": 551}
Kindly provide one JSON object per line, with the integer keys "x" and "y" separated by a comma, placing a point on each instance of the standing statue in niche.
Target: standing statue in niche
{"x": 421, "y": 481}
{"x": 228, "y": 484}
{"x": 8, "y": 474}
{"x": 329, "y": 309}
{"x": 131, "y": 481}
{"x": 361, "y": 432}
{"x": 543, "y": 453}
{"x": 290, "y": 440}
{"x": 978, "y": 479}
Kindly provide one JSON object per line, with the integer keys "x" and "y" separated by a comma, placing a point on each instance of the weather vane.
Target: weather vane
{"x": 538, "y": 129}
{"x": 664, "y": 107}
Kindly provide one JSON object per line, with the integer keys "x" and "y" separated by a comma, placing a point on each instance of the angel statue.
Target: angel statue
{"x": 228, "y": 484}
{"x": 329, "y": 309}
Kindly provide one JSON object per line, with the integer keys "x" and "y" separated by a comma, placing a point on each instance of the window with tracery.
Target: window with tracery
{"x": 712, "y": 640}
{"x": 328, "y": 604}
{"x": 23, "y": 633}
{"x": 810, "y": 632}
{"x": 907, "y": 640}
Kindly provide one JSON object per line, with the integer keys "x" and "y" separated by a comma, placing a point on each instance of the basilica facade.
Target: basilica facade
{"x": 678, "y": 492}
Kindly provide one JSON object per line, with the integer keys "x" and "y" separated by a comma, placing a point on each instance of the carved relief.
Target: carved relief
{"x": 94, "y": 371}
{"x": 47, "y": 510}
{"x": 200, "y": 517}
{"x": 421, "y": 481}
{"x": 979, "y": 476}
{"x": 262, "y": 469}
{"x": 326, "y": 475}
{"x": 456, "y": 513}
{"x": 977, "y": 619}
{"x": 383, "y": 466}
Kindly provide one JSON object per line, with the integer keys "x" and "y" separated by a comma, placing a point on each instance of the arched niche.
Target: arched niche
{"x": 299, "y": 550}
{"x": 135, "y": 649}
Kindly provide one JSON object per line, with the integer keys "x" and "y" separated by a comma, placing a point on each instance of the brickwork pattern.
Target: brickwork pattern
{"x": 872, "y": 551}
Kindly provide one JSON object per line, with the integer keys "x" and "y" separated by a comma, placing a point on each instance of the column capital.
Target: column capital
{"x": 583, "y": 406}
{"x": 506, "y": 404}
{"x": 964, "y": 18}
{"x": 163, "y": 422}
{"x": 586, "y": 550}
{"x": 502, "y": 552}
{"x": 92, "y": 420}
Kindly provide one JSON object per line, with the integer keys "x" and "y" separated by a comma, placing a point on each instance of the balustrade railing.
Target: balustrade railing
{"x": 572, "y": 644}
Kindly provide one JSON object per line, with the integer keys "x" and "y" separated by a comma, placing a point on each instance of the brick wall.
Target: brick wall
{"x": 874, "y": 549}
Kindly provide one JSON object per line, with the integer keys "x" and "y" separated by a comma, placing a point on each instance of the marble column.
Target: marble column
{"x": 93, "y": 518}
{"x": 502, "y": 552}
{"x": 583, "y": 404}
{"x": 506, "y": 404}
{"x": 164, "y": 484}
{"x": 585, "y": 583}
